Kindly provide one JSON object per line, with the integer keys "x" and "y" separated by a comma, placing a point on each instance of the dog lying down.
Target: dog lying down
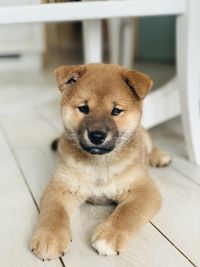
{"x": 104, "y": 155}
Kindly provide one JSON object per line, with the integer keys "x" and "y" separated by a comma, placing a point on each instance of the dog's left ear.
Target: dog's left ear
{"x": 66, "y": 76}
{"x": 138, "y": 82}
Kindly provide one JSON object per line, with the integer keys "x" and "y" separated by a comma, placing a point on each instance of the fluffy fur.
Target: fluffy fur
{"x": 115, "y": 170}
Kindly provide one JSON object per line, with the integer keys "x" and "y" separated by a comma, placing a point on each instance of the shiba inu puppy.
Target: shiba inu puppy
{"x": 104, "y": 155}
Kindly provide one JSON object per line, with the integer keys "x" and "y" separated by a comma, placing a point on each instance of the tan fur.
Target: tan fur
{"x": 120, "y": 175}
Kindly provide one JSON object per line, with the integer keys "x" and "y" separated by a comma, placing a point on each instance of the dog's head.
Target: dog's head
{"x": 101, "y": 104}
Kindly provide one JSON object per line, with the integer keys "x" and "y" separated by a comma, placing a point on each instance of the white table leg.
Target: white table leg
{"x": 128, "y": 30}
{"x": 114, "y": 33}
{"x": 92, "y": 37}
{"x": 188, "y": 62}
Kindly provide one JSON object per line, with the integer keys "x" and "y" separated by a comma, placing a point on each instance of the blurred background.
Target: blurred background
{"x": 42, "y": 47}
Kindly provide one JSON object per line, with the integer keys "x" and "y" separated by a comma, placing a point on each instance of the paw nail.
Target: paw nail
{"x": 32, "y": 249}
{"x": 48, "y": 259}
{"x": 42, "y": 259}
{"x": 118, "y": 252}
{"x": 63, "y": 254}
{"x": 71, "y": 240}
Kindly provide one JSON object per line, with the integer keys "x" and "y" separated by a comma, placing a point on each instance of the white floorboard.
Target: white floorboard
{"x": 13, "y": 100}
{"x": 18, "y": 214}
{"x": 180, "y": 214}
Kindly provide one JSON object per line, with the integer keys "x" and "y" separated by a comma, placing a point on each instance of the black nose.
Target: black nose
{"x": 97, "y": 137}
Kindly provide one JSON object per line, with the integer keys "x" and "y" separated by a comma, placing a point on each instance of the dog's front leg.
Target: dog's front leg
{"x": 52, "y": 237}
{"x": 114, "y": 234}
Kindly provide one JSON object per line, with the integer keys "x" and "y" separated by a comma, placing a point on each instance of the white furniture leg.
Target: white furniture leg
{"x": 114, "y": 33}
{"x": 92, "y": 37}
{"x": 188, "y": 62}
{"x": 128, "y": 32}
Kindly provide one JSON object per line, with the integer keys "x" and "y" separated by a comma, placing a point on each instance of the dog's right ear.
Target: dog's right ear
{"x": 66, "y": 76}
{"x": 138, "y": 82}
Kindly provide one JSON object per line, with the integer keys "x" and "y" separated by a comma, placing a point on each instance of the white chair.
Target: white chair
{"x": 171, "y": 99}
{"x": 121, "y": 31}
{"x": 181, "y": 95}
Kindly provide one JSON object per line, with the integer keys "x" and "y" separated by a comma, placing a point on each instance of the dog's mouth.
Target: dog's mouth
{"x": 96, "y": 150}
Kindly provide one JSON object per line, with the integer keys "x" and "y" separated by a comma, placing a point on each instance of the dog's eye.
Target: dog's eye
{"x": 116, "y": 111}
{"x": 84, "y": 109}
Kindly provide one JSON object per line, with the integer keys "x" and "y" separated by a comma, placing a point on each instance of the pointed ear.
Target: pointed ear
{"x": 138, "y": 82}
{"x": 67, "y": 76}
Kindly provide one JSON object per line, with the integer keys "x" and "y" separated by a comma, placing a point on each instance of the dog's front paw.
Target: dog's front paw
{"x": 49, "y": 244}
{"x": 108, "y": 240}
{"x": 159, "y": 158}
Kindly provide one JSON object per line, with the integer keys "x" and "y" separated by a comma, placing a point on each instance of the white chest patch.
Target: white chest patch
{"x": 100, "y": 184}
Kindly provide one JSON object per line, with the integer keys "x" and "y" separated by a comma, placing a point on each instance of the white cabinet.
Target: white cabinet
{"x": 21, "y": 45}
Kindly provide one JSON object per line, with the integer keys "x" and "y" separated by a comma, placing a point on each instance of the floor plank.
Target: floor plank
{"x": 180, "y": 215}
{"x": 51, "y": 113}
{"x": 187, "y": 169}
{"x": 18, "y": 214}
{"x": 13, "y": 100}
{"x": 30, "y": 136}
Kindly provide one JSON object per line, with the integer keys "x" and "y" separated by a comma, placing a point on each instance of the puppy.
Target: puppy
{"x": 103, "y": 157}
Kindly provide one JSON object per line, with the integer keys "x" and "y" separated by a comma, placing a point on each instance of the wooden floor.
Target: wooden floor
{"x": 29, "y": 121}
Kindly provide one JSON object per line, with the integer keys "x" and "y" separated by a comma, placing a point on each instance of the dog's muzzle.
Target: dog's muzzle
{"x": 97, "y": 137}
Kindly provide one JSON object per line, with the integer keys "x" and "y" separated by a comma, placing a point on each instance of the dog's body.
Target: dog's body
{"x": 104, "y": 155}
